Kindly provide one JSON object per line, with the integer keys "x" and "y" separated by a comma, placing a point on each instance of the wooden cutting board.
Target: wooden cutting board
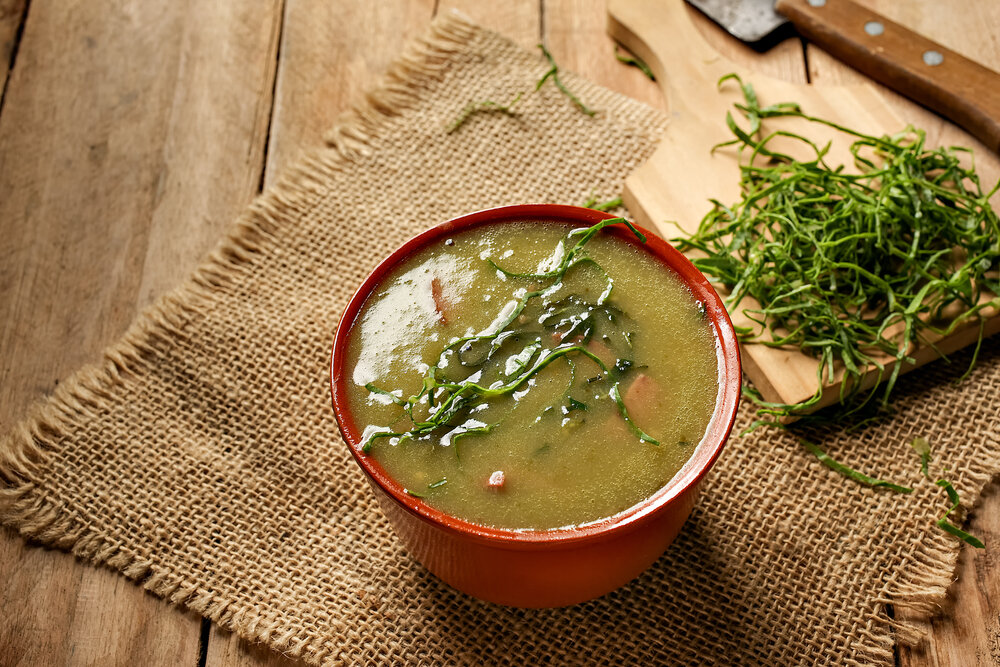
{"x": 673, "y": 188}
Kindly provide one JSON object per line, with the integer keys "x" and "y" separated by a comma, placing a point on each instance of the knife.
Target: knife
{"x": 960, "y": 89}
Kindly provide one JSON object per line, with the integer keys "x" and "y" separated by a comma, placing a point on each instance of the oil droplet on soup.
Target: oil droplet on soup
{"x": 502, "y": 399}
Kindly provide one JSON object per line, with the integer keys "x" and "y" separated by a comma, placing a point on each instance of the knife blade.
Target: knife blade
{"x": 751, "y": 21}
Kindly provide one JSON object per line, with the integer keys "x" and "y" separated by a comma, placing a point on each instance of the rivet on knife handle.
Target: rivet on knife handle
{"x": 954, "y": 86}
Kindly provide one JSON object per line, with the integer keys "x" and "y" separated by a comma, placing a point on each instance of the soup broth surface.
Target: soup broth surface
{"x": 548, "y": 446}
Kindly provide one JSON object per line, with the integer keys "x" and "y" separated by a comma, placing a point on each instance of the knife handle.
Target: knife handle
{"x": 954, "y": 86}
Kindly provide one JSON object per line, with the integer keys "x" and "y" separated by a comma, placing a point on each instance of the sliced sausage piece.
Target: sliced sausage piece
{"x": 602, "y": 352}
{"x": 643, "y": 398}
{"x": 441, "y": 304}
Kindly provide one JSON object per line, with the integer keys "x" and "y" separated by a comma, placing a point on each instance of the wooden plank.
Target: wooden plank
{"x": 968, "y": 632}
{"x": 49, "y": 593}
{"x": 576, "y": 34}
{"x": 229, "y": 650}
{"x": 229, "y": 143}
{"x": 11, "y": 18}
{"x": 116, "y": 119}
{"x": 520, "y": 21}
{"x": 54, "y": 610}
{"x": 330, "y": 53}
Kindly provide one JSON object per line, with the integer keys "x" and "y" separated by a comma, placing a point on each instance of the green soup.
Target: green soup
{"x": 525, "y": 376}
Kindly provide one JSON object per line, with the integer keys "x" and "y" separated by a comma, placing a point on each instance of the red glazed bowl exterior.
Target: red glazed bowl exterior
{"x": 549, "y": 568}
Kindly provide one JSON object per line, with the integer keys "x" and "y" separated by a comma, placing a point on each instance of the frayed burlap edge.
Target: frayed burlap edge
{"x": 24, "y": 451}
{"x": 921, "y": 588}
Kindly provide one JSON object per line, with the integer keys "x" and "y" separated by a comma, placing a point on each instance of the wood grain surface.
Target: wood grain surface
{"x": 132, "y": 132}
{"x": 11, "y": 19}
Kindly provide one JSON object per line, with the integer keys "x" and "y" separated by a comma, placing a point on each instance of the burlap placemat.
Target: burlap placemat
{"x": 200, "y": 457}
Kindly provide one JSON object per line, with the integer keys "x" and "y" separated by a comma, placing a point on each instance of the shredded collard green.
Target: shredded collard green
{"x": 553, "y": 73}
{"x": 948, "y": 526}
{"x": 481, "y": 107}
{"x": 923, "y": 449}
{"x": 852, "y": 268}
{"x": 851, "y": 473}
{"x": 602, "y": 205}
{"x": 635, "y": 62}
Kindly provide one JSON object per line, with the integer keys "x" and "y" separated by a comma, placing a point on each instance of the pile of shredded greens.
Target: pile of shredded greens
{"x": 852, "y": 268}
{"x": 502, "y": 359}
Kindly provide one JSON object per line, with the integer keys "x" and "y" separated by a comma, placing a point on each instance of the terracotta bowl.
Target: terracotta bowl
{"x": 545, "y": 568}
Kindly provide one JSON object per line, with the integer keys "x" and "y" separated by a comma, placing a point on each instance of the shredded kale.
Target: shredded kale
{"x": 923, "y": 448}
{"x": 635, "y": 62}
{"x": 949, "y": 527}
{"x": 481, "y": 107}
{"x": 553, "y": 73}
{"x": 851, "y": 473}
{"x": 602, "y": 205}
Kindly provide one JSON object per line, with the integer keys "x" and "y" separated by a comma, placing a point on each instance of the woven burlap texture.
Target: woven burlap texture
{"x": 200, "y": 457}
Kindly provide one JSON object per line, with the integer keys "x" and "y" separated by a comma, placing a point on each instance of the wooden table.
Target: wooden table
{"x": 132, "y": 132}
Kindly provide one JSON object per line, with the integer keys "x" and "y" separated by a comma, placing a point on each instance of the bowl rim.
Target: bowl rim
{"x": 687, "y": 478}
